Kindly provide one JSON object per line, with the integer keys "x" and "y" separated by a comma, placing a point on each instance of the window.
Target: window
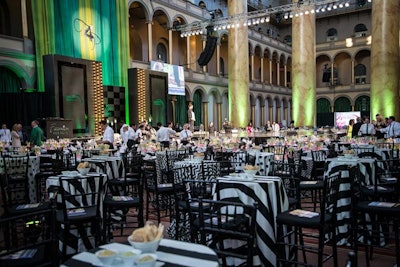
{"x": 331, "y": 35}
{"x": 161, "y": 52}
{"x": 360, "y": 74}
{"x": 360, "y": 30}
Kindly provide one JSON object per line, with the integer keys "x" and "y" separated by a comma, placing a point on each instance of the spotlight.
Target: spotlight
{"x": 267, "y": 19}
{"x": 347, "y": 4}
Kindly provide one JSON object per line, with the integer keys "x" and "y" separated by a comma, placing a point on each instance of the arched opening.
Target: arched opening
{"x": 342, "y": 104}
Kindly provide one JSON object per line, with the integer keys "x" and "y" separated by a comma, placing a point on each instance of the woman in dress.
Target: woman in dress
{"x": 350, "y": 128}
{"x": 15, "y": 137}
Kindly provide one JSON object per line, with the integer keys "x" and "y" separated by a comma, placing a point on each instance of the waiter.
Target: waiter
{"x": 185, "y": 134}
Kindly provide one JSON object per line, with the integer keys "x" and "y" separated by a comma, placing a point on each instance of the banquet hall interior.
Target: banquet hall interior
{"x": 230, "y": 71}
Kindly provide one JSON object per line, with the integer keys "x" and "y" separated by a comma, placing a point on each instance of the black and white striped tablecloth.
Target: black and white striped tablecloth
{"x": 170, "y": 253}
{"x": 271, "y": 196}
{"x": 336, "y": 165}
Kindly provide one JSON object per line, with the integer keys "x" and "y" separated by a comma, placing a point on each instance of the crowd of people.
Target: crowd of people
{"x": 380, "y": 127}
{"x": 16, "y": 137}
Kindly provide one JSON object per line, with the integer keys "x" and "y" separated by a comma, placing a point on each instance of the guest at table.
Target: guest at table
{"x": 5, "y": 135}
{"x": 108, "y": 134}
{"x": 211, "y": 128}
{"x": 36, "y": 134}
{"x": 150, "y": 132}
{"x": 268, "y": 126}
{"x": 140, "y": 133}
{"x": 349, "y": 132}
{"x": 128, "y": 135}
{"x": 15, "y": 137}
{"x": 356, "y": 127}
{"x": 164, "y": 134}
{"x": 379, "y": 124}
{"x": 393, "y": 129}
{"x": 275, "y": 128}
{"x": 367, "y": 129}
{"x": 185, "y": 134}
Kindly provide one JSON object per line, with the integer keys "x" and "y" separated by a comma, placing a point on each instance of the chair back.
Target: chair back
{"x": 330, "y": 197}
{"x": 226, "y": 220}
{"x": 318, "y": 157}
{"x": 294, "y": 155}
{"x": 210, "y": 169}
{"x": 362, "y": 149}
{"x": 30, "y": 235}
{"x": 290, "y": 173}
{"x": 279, "y": 152}
{"x": 81, "y": 193}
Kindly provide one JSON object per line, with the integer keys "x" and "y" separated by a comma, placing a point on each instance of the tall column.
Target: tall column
{"x": 352, "y": 71}
{"x": 238, "y": 58}
{"x": 170, "y": 46}
{"x": 188, "y": 52}
{"x": 270, "y": 71}
{"x": 262, "y": 116}
{"x": 219, "y": 116}
{"x": 385, "y": 58}
{"x": 303, "y": 72}
{"x": 285, "y": 75}
{"x": 271, "y": 116}
{"x": 193, "y": 55}
{"x": 252, "y": 66}
{"x": 332, "y": 72}
{"x": 150, "y": 39}
{"x": 24, "y": 19}
{"x": 205, "y": 115}
{"x": 218, "y": 56}
{"x": 278, "y": 78}
{"x": 262, "y": 69}
{"x": 253, "y": 114}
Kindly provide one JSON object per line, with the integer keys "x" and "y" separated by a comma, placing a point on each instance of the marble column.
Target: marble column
{"x": 352, "y": 71}
{"x": 218, "y": 56}
{"x": 278, "y": 72}
{"x": 192, "y": 54}
{"x": 150, "y": 39}
{"x": 262, "y": 69}
{"x": 285, "y": 75}
{"x": 304, "y": 80}
{"x": 170, "y": 46}
{"x": 270, "y": 71}
{"x": 24, "y": 19}
{"x": 385, "y": 58}
{"x": 219, "y": 116}
{"x": 262, "y": 116}
{"x": 188, "y": 51}
{"x": 271, "y": 115}
{"x": 205, "y": 115}
{"x": 238, "y": 58}
{"x": 252, "y": 66}
{"x": 332, "y": 81}
{"x": 204, "y": 38}
{"x": 253, "y": 114}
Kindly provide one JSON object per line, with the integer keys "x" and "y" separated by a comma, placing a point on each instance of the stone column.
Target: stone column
{"x": 219, "y": 116}
{"x": 278, "y": 72}
{"x": 170, "y": 46}
{"x": 150, "y": 39}
{"x": 352, "y": 71}
{"x": 205, "y": 115}
{"x": 385, "y": 58}
{"x": 270, "y": 72}
{"x": 271, "y": 116}
{"x": 252, "y": 66}
{"x": 204, "y": 38}
{"x": 188, "y": 51}
{"x": 24, "y": 19}
{"x": 262, "y": 116}
{"x": 332, "y": 72}
{"x": 285, "y": 75}
{"x": 193, "y": 55}
{"x": 303, "y": 72}
{"x": 262, "y": 69}
{"x": 238, "y": 58}
{"x": 253, "y": 114}
{"x": 218, "y": 56}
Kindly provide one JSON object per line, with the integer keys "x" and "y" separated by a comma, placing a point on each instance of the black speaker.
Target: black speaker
{"x": 326, "y": 77}
{"x": 208, "y": 51}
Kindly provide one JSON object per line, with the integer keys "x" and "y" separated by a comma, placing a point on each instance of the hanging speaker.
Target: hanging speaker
{"x": 208, "y": 51}
{"x": 326, "y": 76}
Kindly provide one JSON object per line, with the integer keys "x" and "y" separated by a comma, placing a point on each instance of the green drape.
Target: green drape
{"x": 197, "y": 102}
{"x": 181, "y": 110}
{"x": 9, "y": 81}
{"x": 61, "y": 28}
{"x": 342, "y": 104}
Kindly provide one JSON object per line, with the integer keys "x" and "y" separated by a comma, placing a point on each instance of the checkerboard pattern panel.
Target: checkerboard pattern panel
{"x": 114, "y": 102}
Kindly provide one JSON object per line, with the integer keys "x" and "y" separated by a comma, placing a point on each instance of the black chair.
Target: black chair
{"x": 29, "y": 239}
{"x": 362, "y": 149}
{"x": 373, "y": 221}
{"x": 15, "y": 186}
{"x": 290, "y": 173}
{"x": 290, "y": 233}
{"x": 124, "y": 199}
{"x": 81, "y": 197}
{"x": 227, "y": 220}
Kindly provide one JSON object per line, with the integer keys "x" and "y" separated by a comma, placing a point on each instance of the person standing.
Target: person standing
{"x": 393, "y": 128}
{"x": 164, "y": 134}
{"x": 367, "y": 129}
{"x": 108, "y": 134}
{"x": 36, "y": 134}
{"x": 5, "y": 135}
{"x": 191, "y": 117}
{"x": 185, "y": 134}
{"x": 15, "y": 137}
{"x": 349, "y": 132}
{"x": 356, "y": 127}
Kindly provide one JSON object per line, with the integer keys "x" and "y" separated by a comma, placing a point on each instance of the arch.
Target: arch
{"x": 162, "y": 54}
{"x": 323, "y": 105}
{"x": 9, "y": 81}
{"x": 258, "y": 51}
{"x": 360, "y": 28}
{"x": 162, "y": 11}
{"x": 138, "y": 34}
{"x": 214, "y": 91}
{"x": 26, "y": 81}
{"x": 342, "y": 104}
{"x": 362, "y": 103}
{"x": 332, "y": 32}
{"x": 143, "y": 5}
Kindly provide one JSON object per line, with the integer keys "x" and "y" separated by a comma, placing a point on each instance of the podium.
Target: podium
{"x": 59, "y": 128}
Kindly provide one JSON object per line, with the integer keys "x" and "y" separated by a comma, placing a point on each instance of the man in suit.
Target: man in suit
{"x": 356, "y": 127}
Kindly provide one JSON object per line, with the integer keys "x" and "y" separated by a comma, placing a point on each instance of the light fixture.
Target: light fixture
{"x": 88, "y": 31}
